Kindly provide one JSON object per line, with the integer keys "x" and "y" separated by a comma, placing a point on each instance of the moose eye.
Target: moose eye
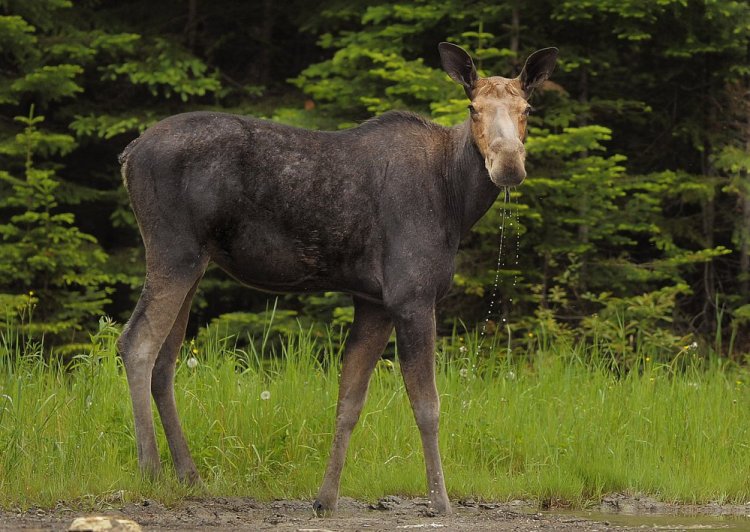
{"x": 471, "y": 109}
{"x": 528, "y": 110}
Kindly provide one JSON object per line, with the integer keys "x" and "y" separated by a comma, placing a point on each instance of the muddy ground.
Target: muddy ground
{"x": 616, "y": 512}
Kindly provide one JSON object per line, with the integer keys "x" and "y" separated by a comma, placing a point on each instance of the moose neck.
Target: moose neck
{"x": 469, "y": 186}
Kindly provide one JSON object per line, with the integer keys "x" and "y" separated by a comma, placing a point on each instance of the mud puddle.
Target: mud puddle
{"x": 645, "y": 513}
{"x": 617, "y": 512}
{"x": 664, "y": 522}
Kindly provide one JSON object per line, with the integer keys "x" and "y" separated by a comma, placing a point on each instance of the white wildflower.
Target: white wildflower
{"x": 192, "y": 362}
{"x": 265, "y": 395}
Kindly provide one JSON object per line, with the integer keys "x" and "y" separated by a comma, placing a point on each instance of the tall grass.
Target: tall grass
{"x": 555, "y": 423}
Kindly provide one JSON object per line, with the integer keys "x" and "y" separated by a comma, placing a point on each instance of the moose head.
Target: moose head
{"x": 499, "y": 109}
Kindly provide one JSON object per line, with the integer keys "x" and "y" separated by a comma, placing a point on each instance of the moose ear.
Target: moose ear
{"x": 538, "y": 68}
{"x": 459, "y": 66}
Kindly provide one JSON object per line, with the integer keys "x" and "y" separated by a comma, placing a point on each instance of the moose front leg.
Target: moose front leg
{"x": 415, "y": 336}
{"x": 368, "y": 337}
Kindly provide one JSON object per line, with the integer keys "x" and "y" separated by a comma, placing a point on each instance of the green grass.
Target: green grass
{"x": 556, "y": 423}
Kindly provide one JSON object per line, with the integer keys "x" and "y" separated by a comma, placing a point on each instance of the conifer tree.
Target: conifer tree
{"x": 47, "y": 265}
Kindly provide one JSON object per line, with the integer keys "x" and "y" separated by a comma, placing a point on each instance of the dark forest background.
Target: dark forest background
{"x": 634, "y": 223}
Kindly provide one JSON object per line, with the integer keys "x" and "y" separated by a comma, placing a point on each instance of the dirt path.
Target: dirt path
{"x": 394, "y": 513}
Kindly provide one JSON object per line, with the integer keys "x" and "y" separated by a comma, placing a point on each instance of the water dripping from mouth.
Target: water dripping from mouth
{"x": 511, "y": 213}
{"x": 518, "y": 247}
{"x": 500, "y": 263}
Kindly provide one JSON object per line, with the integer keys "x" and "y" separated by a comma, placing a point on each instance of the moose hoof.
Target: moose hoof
{"x": 323, "y": 509}
{"x": 441, "y": 507}
{"x": 191, "y": 478}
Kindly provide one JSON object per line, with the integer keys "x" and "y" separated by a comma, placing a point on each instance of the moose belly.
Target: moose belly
{"x": 273, "y": 270}
{"x": 270, "y": 259}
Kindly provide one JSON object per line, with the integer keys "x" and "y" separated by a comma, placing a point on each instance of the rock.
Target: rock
{"x": 390, "y": 502}
{"x": 98, "y": 523}
{"x": 467, "y": 502}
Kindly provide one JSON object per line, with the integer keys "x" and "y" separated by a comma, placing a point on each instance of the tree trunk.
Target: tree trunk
{"x": 709, "y": 226}
{"x": 262, "y": 67}
{"x": 744, "y": 273}
{"x": 545, "y": 280}
{"x": 709, "y": 205}
{"x": 744, "y": 191}
{"x": 583, "y": 199}
{"x": 515, "y": 35}
{"x": 192, "y": 23}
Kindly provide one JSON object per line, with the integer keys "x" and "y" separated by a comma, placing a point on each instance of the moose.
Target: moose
{"x": 376, "y": 211}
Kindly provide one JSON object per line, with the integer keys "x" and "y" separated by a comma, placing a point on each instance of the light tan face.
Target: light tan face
{"x": 499, "y": 113}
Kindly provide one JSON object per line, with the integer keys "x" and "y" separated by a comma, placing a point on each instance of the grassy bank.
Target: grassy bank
{"x": 557, "y": 423}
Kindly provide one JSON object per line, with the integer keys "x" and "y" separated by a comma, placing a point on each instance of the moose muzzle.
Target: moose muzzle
{"x": 506, "y": 162}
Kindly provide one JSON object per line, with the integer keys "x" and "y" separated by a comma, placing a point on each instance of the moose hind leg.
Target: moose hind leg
{"x": 162, "y": 389}
{"x": 140, "y": 342}
{"x": 415, "y": 336}
{"x": 368, "y": 337}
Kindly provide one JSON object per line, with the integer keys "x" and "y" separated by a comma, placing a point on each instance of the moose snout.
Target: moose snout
{"x": 506, "y": 162}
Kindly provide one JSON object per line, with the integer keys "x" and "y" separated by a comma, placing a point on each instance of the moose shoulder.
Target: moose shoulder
{"x": 376, "y": 211}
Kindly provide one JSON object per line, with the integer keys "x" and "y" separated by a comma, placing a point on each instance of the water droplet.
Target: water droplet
{"x": 510, "y": 210}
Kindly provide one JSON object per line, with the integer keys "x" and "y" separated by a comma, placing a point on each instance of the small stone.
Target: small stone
{"x": 275, "y": 519}
{"x": 468, "y": 502}
{"x": 386, "y": 503}
{"x": 98, "y": 523}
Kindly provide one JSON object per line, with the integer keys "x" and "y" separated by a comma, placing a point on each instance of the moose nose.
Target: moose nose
{"x": 505, "y": 162}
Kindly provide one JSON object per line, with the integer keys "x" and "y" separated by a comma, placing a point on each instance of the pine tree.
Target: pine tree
{"x": 46, "y": 262}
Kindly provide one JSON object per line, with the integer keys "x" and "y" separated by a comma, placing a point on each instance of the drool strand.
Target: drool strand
{"x": 500, "y": 263}
{"x": 517, "y": 233}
